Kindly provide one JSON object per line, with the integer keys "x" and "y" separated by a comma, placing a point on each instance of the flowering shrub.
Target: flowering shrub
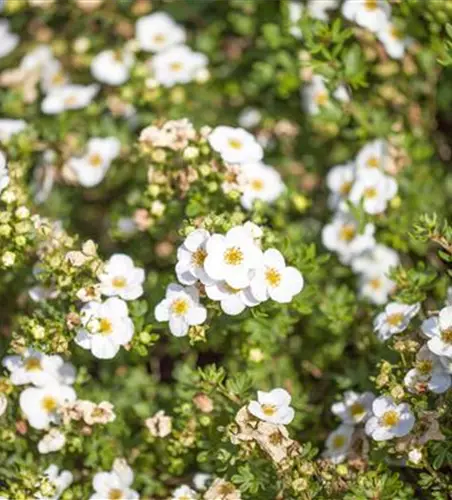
{"x": 225, "y": 254}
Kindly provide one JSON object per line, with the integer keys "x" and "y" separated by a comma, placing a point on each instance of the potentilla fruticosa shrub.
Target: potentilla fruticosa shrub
{"x": 225, "y": 249}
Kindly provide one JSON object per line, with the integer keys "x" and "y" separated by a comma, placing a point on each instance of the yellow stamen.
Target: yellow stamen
{"x": 95, "y": 160}
{"x": 357, "y": 410}
{"x": 115, "y": 494}
{"x": 269, "y": 410}
{"x": 198, "y": 257}
{"x": 119, "y": 282}
{"x": 33, "y": 365}
{"x": 235, "y": 144}
{"x": 179, "y": 307}
{"x": 347, "y": 232}
{"x": 446, "y": 335}
{"x": 390, "y": 418}
{"x": 370, "y": 193}
{"x": 321, "y": 98}
{"x": 49, "y": 404}
{"x": 257, "y": 185}
{"x": 105, "y": 326}
{"x": 176, "y": 66}
{"x": 338, "y": 441}
{"x": 394, "y": 319}
{"x": 272, "y": 277}
{"x": 233, "y": 256}
{"x": 373, "y": 162}
{"x": 371, "y": 4}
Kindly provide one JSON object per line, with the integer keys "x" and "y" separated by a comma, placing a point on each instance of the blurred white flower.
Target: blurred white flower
{"x": 114, "y": 484}
{"x": 370, "y": 14}
{"x": 394, "y": 42}
{"x": 316, "y": 96}
{"x": 66, "y": 97}
{"x": 429, "y": 373}
{"x": 8, "y": 128}
{"x": 190, "y": 258}
{"x": 259, "y": 182}
{"x": 338, "y": 443}
{"x": 62, "y": 480}
{"x": 158, "y": 32}
{"x": 54, "y": 440}
{"x": 235, "y": 145}
{"x": 355, "y": 407}
{"x": 374, "y": 190}
{"x": 8, "y": 40}
{"x": 439, "y": 331}
{"x": 184, "y": 492}
{"x": 121, "y": 278}
{"x": 112, "y": 66}
{"x": 394, "y": 319}
{"x": 4, "y": 177}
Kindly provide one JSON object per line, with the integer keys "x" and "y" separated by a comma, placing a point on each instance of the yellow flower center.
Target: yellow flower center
{"x": 370, "y": 193}
{"x": 33, "y": 365}
{"x": 347, "y": 232}
{"x": 373, "y": 162}
{"x": 115, "y": 494}
{"x": 95, "y": 160}
{"x": 269, "y": 410}
{"x": 233, "y": 256}
{"x": 226, "y": 489}
{"x": 338, "y": 441}
{"x": 395, "y": 33}
{"x": 321, "y": 98}
{"x": 375, "y": 283}
{"x": 105, "y": 326}
{"x": 49, "y": 404}
{"x": 176, "y": 66}
{"x": 58, "y": 78}
{"x": 371, "y": 4}
{"x": 70, "y": 100}
{"x": 446, "y": 335}
{"x": 198, "y": 257}
{"x": 424, "y": 367}
{"x": 390, "y": 418}
{"x": 357, "y": 410}
{"x": 257, "y": 184}
{"x": 119, "y": 282}
{"x": 345, "y": 188}
{"x": 179, "y": 307}
{"x": 272, "y": 277}
{"x": 394, "y": 319}
{"x": 159, "y": 38}
{"x": 235, "y": 144}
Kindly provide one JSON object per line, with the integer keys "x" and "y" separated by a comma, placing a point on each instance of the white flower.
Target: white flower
{"x": 37, "y": 59}
{"x": 190, "y": 258}
{"x": 181, "y": 308}
{"x": 275, "y": 280}
{"x": 8, "y": 40}
{"x": 232, "y": 300}
{"x": 61, "y": 480}
{"x": 375, "y": 190}
{"x": 273, "y": 407}
{"x": 3, "y": 404}
{"x": 341, "y": 235}
{"x": 370, "y": 14}
{"x": 338, "y": 443}
{"x": 259, "y": 182}
{"x": 378, "y": 260}
{"x": 69, "y": 96}
{"x": 372, "y": 156}
{"x": 54, "y": 440}
{"x": 178, "y": 64}
{"x": 91, "y": 168}
{"x": 121, "y": 278}
{"x": 340, "y": 180}
{"x": 318, "y": 9}
{"x": 295, "y": 14}
{"x": 394, "y": 42}
{"x": 158, "y": 31}
{"x": 415, "y": 455}
{"x": 41, "y": 404}
{"x": 39, "y": 369}
{"x": 112, "y": 66}
{"x": 8, "y": 128}
{"x": 4, "y": 177}
{"x": 184, "y": 492}
{"x": 235, "y": 145}
{"x": 106, "y": 327}
{"x": 201, "y": 480}
{"x": 439, "y": 330}
{"x": 232, "y": 257}
{"x": 249, "y": 118}
{"x": 389, "y": 420}
{"x": 394, "y": 319}
{"x": 114, "y": 484}
{"x": 355, "y": 408}
{"x": 316, "y": 96}
{"x": 53, "y": 76}
{"x": 376, "y": 287}
{"x": 429, "y": 373}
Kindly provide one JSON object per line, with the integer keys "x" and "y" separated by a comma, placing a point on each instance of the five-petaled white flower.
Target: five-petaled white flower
{"x": 121, "y": 278}
{"x": 275, "y": 280}
{"x": 112, "y": 66}
{"x": 114, "y": 484}
{"x": 4, "y": 177}
{"x": 355, "y": 408}
{"x": 181, "y": 308}
{"x": 342, "y": 236}
{"x": 106, "y": 327}
{"x": 259, "y": 182}
{"x": 235, "y": 145}
{"x": 232, "y": 257}
{"x": 394, "y": 319}
{"x": 91, "y": 168}
{"x": 338, "y": 443}
{"x": 389, "y": 420}
{"x": 370, "y": 14}
{"x": 41, "y": 404}
{"x": 38, "y": 369}
{"x": 184, "y": 492}
{"x": 429, "y": 373}
{"x": 70, "y": 96}
{"x": 439, "y": 330}
{"x": 190, "y": 258}
{"x": 374, "y": 190}
{"x": 232, "y": 300}
{"x": 178, "y": 64}
{"x": 273, "y": 407}
{"x": 158, "y": 32}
